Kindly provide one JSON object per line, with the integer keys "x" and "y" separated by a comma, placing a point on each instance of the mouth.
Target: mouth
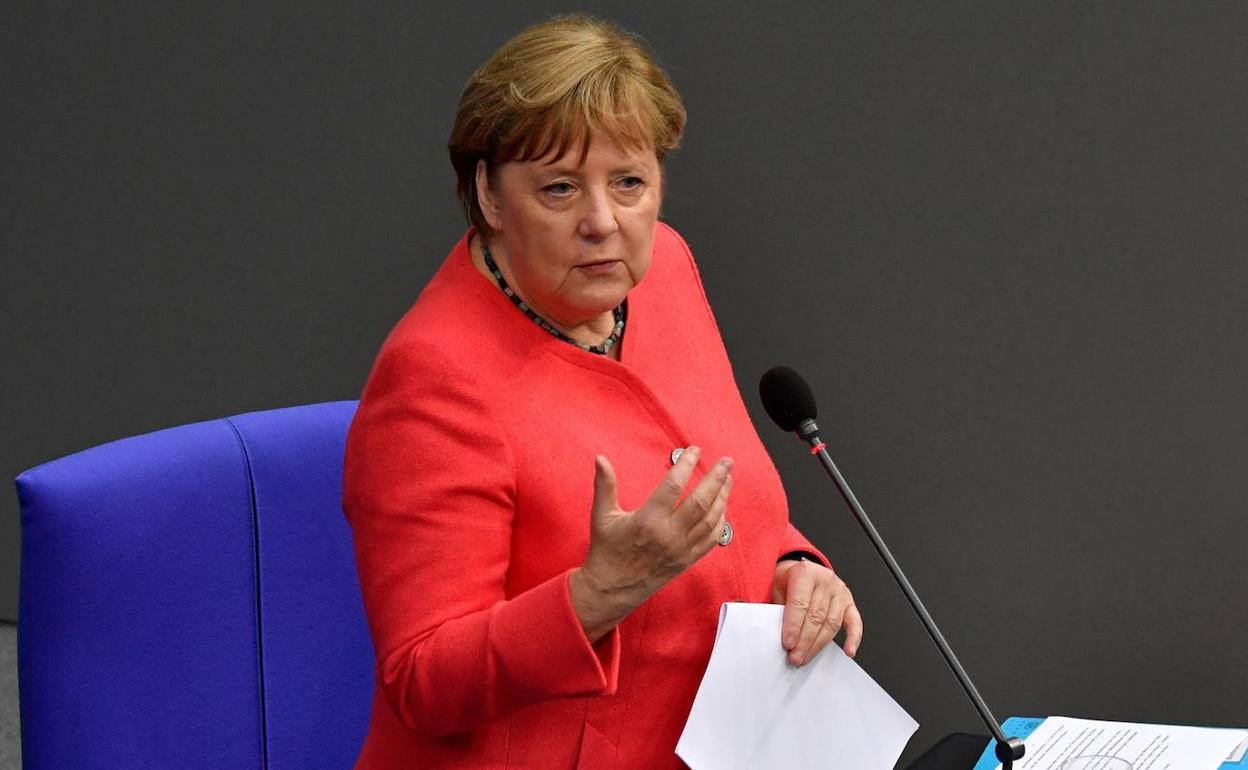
{"x": 600, "y": 267}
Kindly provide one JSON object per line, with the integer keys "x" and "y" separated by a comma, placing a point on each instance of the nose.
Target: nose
{"x": 598, "y": 219}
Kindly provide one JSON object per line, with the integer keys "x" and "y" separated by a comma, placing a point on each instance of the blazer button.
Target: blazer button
{"x": 676, "y": 453}
{"x": 725, "y": 537}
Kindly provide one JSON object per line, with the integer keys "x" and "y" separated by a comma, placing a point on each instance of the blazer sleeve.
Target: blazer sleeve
{"x": 796, "y": 545}
{"x": 429, "y": 491}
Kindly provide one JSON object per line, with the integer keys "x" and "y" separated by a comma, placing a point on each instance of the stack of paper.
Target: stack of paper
{"x": 754, "y": 710}
{"x": 1063, "y": 743}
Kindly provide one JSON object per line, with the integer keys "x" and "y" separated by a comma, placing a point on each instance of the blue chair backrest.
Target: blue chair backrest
{"x": 189, "y": 599}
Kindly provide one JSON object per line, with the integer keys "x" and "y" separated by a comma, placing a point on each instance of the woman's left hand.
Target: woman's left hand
{"x": 817, "y": 605}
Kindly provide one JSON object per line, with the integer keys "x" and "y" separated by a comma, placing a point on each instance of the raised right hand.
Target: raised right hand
{"x": 634, "y": 553}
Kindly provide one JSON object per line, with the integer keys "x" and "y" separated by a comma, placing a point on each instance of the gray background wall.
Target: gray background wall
{"x": 1006, "y": 244}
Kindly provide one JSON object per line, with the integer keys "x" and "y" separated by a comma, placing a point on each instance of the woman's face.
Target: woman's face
{"x": 573, "y": 238}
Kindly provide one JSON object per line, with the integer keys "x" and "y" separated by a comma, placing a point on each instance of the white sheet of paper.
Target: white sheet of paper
{"x": 1144, "y": 747}
{"x": 1238, "y": 752}
{"x": 755, "y": 710}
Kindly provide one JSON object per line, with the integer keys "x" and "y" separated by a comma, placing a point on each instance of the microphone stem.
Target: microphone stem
{"x": 1006, "y": 751}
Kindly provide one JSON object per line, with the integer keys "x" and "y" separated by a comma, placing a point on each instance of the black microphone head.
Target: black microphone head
{"x": 787, "y": 398}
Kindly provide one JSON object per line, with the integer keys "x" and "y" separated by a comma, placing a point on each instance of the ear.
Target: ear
{"x": 486, "y": 199}
{"x": 662, "y": 186}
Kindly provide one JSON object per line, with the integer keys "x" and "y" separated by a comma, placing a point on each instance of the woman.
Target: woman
{"x": 552, "y": 480}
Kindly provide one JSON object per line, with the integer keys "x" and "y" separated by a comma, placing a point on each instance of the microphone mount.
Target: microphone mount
{"x": 1009, "y": 749}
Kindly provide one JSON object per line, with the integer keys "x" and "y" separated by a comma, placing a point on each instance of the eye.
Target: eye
{"x": 631, "y": 183}
{"x": 559, "y": 189}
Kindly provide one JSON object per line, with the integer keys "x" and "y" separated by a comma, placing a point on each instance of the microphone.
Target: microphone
{"x": 790, "y": 403}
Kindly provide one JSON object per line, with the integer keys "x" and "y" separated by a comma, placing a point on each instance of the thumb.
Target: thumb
{"x": 604, "y": 487}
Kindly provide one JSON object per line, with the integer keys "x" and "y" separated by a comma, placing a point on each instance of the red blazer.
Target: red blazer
{"x": 468, "y": 482}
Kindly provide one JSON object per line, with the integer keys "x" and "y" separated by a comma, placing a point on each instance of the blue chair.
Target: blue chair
{"x": 189, "y": 599}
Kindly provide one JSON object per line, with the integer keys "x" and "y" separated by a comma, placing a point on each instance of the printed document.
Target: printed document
{"x": 755, "y": 710}
{"x": 1063, "y": 743}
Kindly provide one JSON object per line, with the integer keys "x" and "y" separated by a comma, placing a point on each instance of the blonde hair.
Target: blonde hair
{"x": 556, "y": 85}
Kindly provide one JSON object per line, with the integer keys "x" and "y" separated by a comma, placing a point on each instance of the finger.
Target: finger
{"x": 817, "y": 616}
{"x": 698, "y": 504}
{"x": 840, "y": 600}
{"x": 853, "y": 630}
{"x": 796, "y": 601}
{"x": 699, "y": 528}
{"x": 605, "y": 499}
{"x": 667, "y": 494}
{"x": 827, "y": 632}
{"x": 704, "y": 536}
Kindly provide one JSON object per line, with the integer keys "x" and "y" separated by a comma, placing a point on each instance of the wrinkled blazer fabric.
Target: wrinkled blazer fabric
{"x": 468, "y": 483}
